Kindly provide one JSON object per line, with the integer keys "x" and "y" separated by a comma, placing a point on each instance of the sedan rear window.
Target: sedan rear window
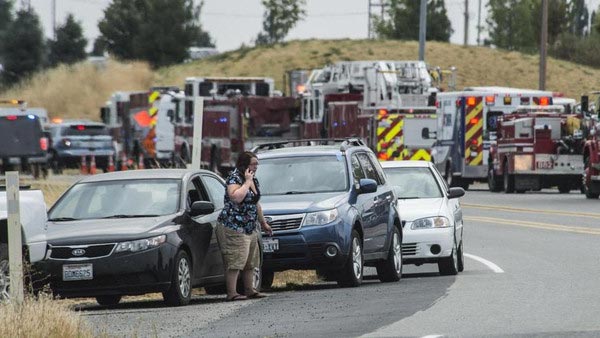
{"x": 302, "y": 174}
{"x": 85, "y": 130}
{"x": 413, "y": 182}
{"x": 118, "y": 199}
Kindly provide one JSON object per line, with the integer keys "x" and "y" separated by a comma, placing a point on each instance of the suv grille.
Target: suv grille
{"x": 90, "y": 251}
{"x": 409, "y": 249}
{"x": 285, "y": 222}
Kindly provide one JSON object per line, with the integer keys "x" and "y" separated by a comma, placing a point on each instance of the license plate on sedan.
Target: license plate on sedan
{"x": 270, "y": 244}
{"x": 73, "y": 272}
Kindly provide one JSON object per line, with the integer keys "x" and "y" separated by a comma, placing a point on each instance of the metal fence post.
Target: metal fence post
{"x": 15, "y": 245}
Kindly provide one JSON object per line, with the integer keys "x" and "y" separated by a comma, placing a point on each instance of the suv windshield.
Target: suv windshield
{"x": 85, "y": 130}
{"x": 413, "y": 182}
{"x": 118, "y": 199}
{"x": 302, "y": 174}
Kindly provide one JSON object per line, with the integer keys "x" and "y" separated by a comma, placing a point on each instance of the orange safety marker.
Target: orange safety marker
{"x": 123, "y": 163}
{"x": 111, "y": 165}
{"x": 93, "y": 165}
{"x": 141, "y": 162}
{"x": 83, "y": 170}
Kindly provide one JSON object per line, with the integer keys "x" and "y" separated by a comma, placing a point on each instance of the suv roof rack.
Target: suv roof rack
{"x": 345, "y": 143}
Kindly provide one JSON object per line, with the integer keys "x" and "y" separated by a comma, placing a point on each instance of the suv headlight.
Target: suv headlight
{"x": 320, "y": 217}
{"x": 430, "y": 223}
{"x": 142, "y": 244}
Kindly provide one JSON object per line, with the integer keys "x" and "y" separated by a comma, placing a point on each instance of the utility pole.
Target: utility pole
{"x": 54, "y": 19}
{"x": 466, "y": 22}
{"x": 422, "y": 29}
{"x": 542, "y": 84}
{"x": 479, "y": 24}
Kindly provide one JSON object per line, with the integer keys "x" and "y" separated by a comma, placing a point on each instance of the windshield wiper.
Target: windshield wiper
{"x": 408, "y": 198}
{"x": 62, "y": 219}
{"x": 294, "y": 192}
{"x": 128, "y": 216}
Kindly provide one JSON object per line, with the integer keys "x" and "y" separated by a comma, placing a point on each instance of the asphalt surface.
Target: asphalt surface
{"x": 531, "y": 270}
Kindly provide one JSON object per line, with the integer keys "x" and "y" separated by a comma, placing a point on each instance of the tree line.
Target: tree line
{"x": 161, "y": 31}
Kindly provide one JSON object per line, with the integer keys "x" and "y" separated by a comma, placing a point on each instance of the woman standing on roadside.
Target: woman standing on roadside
{"x": 237, "y": 231}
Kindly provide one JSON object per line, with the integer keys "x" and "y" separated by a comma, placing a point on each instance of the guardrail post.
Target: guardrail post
{"x": 15, "y": 242}
{"x": 197, "y": 144}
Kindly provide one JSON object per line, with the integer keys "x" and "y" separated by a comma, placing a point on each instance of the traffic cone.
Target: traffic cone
{"x": 84, "y": 169}
{"x": 123, "y": 163}
{"x": 93, "y": 165}
{"x": 141, "y": 162}
{"x": 111, "y": 165}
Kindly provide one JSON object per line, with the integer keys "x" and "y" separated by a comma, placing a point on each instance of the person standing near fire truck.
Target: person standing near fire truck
{"x": 237, "y": 232}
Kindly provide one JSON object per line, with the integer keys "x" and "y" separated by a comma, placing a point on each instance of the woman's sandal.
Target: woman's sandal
{"x": 257, "y": 295}
{"x": 236, "y": 297}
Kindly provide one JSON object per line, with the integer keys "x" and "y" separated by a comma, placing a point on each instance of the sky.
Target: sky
{"x": 232, "y": 23}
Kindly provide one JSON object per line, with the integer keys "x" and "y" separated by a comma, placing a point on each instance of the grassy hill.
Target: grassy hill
{"x": 79, "y": 91}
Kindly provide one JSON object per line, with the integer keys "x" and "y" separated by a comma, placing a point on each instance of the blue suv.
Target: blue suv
{"x": 331, "y": 210}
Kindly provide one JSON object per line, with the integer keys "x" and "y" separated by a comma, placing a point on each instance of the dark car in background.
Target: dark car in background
{"x": 23, "y": 144}
{"x": 331, "y": 210}
{"x": 136, "y": 232}
{"x": 70, "y": 140}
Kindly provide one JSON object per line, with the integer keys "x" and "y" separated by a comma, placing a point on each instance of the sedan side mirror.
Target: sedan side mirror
{"x": 367, "y": 185}
{"x": 426, "y": 134}
{"x": 202, "y": 208}
{"x": 456, "y": 192}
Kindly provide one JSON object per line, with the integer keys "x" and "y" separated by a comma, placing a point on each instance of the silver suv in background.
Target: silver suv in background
{"x": 73, "y": 139}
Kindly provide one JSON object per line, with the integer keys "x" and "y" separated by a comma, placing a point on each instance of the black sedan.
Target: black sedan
{"x": 136, "y": 232}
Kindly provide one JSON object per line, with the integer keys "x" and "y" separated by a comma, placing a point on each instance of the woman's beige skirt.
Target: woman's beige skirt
{"x": 240, "y": 251}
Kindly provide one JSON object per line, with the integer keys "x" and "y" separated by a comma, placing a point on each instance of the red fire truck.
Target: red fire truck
{"x": 591, "y": 150}
{"x": 537, "y": 147}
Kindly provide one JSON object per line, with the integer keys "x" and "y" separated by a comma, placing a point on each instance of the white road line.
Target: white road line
{"x": 489, "y": 264}
{"x": 433, "y": 336}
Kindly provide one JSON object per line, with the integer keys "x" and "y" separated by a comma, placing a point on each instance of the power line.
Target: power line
{"x": 239, "y": 15}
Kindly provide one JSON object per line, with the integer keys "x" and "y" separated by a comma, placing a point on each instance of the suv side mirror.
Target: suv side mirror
{"x": 367, "y": 185}
{"x": 171, "y": 115}
{"x": 202, "y": 208}
{"x": 455, "y": 192}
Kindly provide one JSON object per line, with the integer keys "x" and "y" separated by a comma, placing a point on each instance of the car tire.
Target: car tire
{"x": 390, "y": 270}
{"x": 215, "y": 289}
{"x": 564, "y": 188}
{"x": 180, "y": 291}
{"x": 352, "y": 272}
{"x": 461, "y": 258}
{"x": 267, "y": 277}
{"x": 110, "y": 300}
{"x": 4, "y": 273}
{"x": 448, "y": 266}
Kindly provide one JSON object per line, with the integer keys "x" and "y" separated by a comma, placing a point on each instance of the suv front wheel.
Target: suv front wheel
{"x": 352, "y": 273}
{"x": 390, "y": 270}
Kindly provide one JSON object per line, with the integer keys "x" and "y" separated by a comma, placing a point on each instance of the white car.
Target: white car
{"x": 32, "y": 209}
{"x": 432, "y": 217}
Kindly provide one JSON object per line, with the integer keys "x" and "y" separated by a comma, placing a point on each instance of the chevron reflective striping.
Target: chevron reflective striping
{"x": 153, "y": 96}
{"x": 421, "y": 154}
{"x": 474, "y": 133}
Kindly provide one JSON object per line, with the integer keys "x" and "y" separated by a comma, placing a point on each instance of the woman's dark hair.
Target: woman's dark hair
{"x": 243, "y": 161}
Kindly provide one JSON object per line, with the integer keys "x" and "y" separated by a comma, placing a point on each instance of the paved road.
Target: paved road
{"x": 531, "y": 270}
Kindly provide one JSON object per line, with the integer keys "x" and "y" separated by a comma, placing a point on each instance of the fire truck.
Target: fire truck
{"x": 466, "y": 124}
{"x": 387, "y": 103}
{"x": 591, "y": 150}
{"x": 239, "y": 112}
{"x": 537, "y": 147}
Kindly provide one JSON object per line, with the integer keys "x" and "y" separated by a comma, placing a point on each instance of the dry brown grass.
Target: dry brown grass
{"x": 476, "y": 65}
{"x": 41, "y": 318}
{"x": 78, "y": 91}
{"x": 294, "y": 277}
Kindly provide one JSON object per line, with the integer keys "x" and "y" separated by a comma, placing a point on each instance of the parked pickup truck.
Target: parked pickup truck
{"x": 33, "y": 229}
